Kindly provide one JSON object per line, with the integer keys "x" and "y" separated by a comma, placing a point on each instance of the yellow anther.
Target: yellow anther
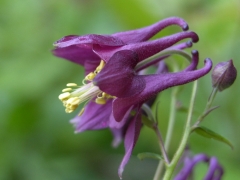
{"x": 90, "y": 76}
{"x": 81, "y": 112}
{"x": 105, "y": 95}
{"x": 71, "y": 84}
{"x": 71, "y": 98}
{"x": 75, "y": 101}
{"x": 72, "y": 101}
{"x": 67, "y": 89}
{"x": 100, "y": 100}
{"x": 99, "y": 68}
{"x": 68, "y": 110}
{"x": 64, "y": 96}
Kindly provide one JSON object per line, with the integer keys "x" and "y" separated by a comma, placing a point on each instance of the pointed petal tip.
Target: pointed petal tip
{"x": 195, "y": 37}
{"x": 208, "y": 62}
{"x": 120, "y": 171}
{"x": 194, "y": 52}
{"x": 189, "y": 43}
{"x": 179, "y": 21}
{"x": 185, "y": 27}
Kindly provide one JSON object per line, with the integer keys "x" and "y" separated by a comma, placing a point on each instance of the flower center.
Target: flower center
{"x": 74, "y": 95}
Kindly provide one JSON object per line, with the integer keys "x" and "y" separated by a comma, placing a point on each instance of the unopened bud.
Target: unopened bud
{"x": 223, "y": 75}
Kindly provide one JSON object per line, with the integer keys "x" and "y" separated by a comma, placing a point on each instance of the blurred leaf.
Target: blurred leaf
{"x": 144, "y": 155}
{"x": 205, "y": 132}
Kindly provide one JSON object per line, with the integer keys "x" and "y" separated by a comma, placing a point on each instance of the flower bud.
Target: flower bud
{"x": 223, "y": 75}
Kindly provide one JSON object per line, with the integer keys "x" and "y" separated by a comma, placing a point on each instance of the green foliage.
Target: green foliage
{"x": 205, "y": 132}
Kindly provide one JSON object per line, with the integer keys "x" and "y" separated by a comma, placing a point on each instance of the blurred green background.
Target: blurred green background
{"x": 37, "y": 140}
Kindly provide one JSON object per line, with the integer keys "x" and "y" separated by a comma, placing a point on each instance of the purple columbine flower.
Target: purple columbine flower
{"x": 114, "y": 88}
{"x": 215, "y": 170}
{"x": 89, "y": 50}
{"x": 119, "y": 79}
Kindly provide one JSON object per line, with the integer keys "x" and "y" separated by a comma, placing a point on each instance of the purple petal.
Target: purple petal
{"x": 86, "y": 41}
{"x": 95, "y": 116}
{"x": 78, "y": 49}
{"x": 76, "y": 54}
{"x": 189, "y": 165}
{"x": 162, "y": 68}
{"x": 156, "y": 83}
{"x": 130, "y": 140}
{"x": 119, "y": 128}
{"x": 118, "y": 136}
{"x": 118, "y": 76}
{"x": 146, "y": 33}
{"x": 213, "y": 167}
{"x": 194, "y": 63}
{"x": 125, "y": 118}
{"x": 147, "y": 48}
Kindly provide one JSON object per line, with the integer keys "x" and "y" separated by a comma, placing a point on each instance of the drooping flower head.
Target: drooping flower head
{"x": 89, "y": 50}
{"x": 113, "y": 86}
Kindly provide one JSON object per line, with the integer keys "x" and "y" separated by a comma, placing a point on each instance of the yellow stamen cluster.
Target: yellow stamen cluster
{"x": 92, "y": 75}
{"x": 72, "y": 98}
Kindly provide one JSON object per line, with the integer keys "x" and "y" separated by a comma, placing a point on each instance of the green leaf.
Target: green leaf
{"x": 144, "y": 155}
{"x": 205, "y": 132}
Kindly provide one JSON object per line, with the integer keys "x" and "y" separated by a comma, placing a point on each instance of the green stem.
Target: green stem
{"x": 169, "y": 131}
{"x": 154, "y": 126}
{"x": 148, "y": 111}
{"x": 162, "y": 54}
{"x": 161, "y": 145}
{"x": 207, "y": 108}
{"x": 183, "y": 143}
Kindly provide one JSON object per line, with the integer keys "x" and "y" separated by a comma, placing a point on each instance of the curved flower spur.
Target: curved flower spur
{"x": 83, "y": 50}
{"x": 112, "y": 87}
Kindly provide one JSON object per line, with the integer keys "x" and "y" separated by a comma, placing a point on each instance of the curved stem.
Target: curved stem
{"x": 162, "y": 54}
{"x": 154, "y": 124}
{"x": 148, "y": 111}
{"x": 207, "y": 108}
{"x": 161, "y": 144}
{"x": 169, "y": 131}
{"x": 187, "y": 131}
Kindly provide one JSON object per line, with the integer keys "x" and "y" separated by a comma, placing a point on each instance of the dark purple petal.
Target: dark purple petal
{"x": 156, "y": 83}
{"x": 86, "y": 41}
{"x": 147, "y": 48}
{"x": 125, "y": 118}
{"x": 78, "y": 49}
{"x": 90, "y": 66}
{"x": 146, "y": 33}
{"x": 76, "y": 54}
{"x": 118, "y": 76}
{"x": 194, "y": 63}
{"x": 95, "y": 116}
{"x": 130, "y": 140}
{"x": 119, "y": 128}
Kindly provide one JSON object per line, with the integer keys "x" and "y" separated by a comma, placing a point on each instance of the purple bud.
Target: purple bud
{"x": 224, "y": 75}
